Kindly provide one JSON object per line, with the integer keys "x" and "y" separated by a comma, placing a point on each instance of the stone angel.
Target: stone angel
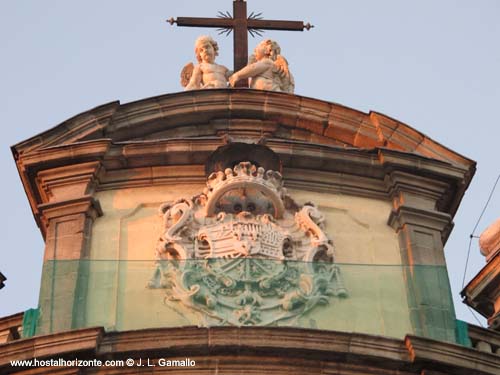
{"x": 267, "y": 69}
{"x": 206, "y": 74}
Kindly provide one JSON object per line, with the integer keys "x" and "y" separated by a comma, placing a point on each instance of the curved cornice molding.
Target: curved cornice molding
{"x": 325, "y": 122}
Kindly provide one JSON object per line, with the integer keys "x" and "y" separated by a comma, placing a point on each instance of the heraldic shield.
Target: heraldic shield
{"x": 244, "y": 253}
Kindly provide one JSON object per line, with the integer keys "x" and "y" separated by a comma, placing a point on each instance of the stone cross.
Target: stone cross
{"x": 241, "y": 24}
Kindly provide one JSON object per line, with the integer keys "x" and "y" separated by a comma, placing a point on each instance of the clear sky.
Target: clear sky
{"x": 434, "y": 65}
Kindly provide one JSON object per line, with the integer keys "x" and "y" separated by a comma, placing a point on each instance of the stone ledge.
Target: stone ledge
{"x": 285, "y": 349}
{"x": 285, "y": 341}
{"x": 10, "y": 327}
{"x": 479, "y": 334}
{"x": 55, "y": 345}
{"x": 455, "y": 359}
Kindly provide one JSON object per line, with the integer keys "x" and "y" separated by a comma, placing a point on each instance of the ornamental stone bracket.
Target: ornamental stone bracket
{"x": 68, "y": 182}
{"x": 422, "y": 227}
{"x": 68, "y": 208}
{"x": 244, "y": 253}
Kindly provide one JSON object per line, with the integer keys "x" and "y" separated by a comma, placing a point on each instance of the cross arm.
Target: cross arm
{"x": 278, "y": 25}
{"x": 202, "y": 22}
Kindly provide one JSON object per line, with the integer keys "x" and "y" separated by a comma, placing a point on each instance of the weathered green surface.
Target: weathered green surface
{"x": 125, "y": 295}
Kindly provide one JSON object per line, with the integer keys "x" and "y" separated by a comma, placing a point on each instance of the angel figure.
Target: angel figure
{"x": 207, "y": 74}
{"x": 267, "y": 69}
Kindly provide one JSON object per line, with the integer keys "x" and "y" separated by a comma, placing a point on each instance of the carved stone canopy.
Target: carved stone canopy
{"x": 233, "y": 153}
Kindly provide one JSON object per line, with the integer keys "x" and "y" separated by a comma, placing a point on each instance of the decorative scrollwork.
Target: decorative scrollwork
{"x": 233, "y": 252}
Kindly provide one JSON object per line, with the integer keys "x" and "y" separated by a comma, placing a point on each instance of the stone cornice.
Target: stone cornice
{"x": 59, "y": 172}
{"x": 244, "y": 346}
{"x": 370, "y": 162}
{"x": 56, "y": 156}
{"x": 121, "y": 122}
{"x": 86, "y": 125}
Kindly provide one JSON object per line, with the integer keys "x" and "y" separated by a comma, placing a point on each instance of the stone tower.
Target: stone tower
{"x": 234, "y": 230}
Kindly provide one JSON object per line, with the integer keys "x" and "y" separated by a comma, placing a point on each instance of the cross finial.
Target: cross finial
{"x": 240, "y": 24}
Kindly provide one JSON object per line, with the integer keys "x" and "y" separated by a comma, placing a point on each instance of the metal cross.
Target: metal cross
{"x": 240, "y": 24}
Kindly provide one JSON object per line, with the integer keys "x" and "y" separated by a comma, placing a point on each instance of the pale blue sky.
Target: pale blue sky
{"x": 433, "y": 65}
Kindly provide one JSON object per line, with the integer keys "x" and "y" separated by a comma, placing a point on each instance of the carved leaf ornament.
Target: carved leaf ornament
{"x": 244, "y": 253}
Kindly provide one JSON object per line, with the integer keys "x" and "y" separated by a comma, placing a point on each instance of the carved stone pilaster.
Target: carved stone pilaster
{"x": 67, "y": 213}
{"x": 422, "y": 232}
{"x": 65, "y": 274}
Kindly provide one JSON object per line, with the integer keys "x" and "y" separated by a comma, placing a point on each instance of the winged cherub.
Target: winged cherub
{"x": 267, "y": 69}
{"x": 207, "y": 74}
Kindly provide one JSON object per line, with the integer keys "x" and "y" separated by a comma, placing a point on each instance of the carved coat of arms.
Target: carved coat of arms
{"x": 244, "y": 253}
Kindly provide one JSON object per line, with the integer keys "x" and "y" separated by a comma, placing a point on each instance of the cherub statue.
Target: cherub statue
{"x": 267, "y": 69}
{"x": 207, "y": 74}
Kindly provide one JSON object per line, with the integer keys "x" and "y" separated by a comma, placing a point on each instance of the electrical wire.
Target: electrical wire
{"x": 471, "y": 236}
{"x": 486, "y": 205}
{"x": 475, "y": 227}
{"x": 467, "y": 261}
{"x": 475, "y": 317}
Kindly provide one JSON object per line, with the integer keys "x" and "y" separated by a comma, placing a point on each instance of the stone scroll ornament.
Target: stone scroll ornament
{"x": 243, "y": 253}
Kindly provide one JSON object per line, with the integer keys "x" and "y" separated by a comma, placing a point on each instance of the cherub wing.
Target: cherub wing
{"x": 287, "y": 83}
{"x": 282, "y": 65}
{"x": 186, "y": 73}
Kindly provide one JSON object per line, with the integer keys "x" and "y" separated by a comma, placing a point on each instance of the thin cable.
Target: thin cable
{"x": 486, "y": 205}
{"x": 475, "y": 317}
{"x": 475, "y": 227}
{"x": 467, "y": 262}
